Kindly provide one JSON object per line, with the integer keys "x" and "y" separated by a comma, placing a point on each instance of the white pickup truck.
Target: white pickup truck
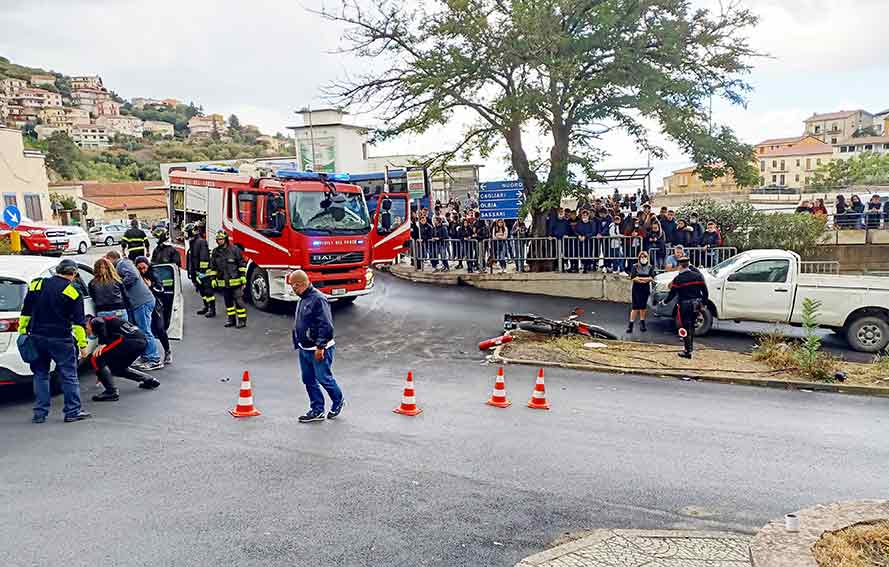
{"x": 768, "y": 286}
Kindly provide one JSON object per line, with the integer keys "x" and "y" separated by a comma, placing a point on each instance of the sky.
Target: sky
{"x": 264, "y": 59}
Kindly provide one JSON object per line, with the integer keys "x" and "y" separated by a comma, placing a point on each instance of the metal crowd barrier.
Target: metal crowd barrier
{"x": 830, "y": 267}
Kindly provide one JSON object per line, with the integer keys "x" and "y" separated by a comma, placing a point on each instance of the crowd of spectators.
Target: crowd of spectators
{"x": 851, "y": 214}
{"x": 603, "y": 233}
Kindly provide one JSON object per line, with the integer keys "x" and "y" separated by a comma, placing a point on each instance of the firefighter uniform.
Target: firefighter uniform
{"x": 197, "y": 263}
{"x": 134, "y": 242}
{"x": 691, "y": 289}
{"x": 52, "y": 312}
{"x": 164, "y": 253}
{"x": 229, "y": 273}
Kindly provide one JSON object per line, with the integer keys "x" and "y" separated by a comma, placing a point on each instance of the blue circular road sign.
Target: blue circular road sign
{"x": 12, "y": 216}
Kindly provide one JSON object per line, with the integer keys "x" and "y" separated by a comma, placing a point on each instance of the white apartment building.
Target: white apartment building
{"x": 92, "y": 137}
{"x": 38, "y": 98}
{"x": 159, "y": 128}
{"x": 854, "y": 147}
{"x": 87, "y": 82}
{"x": 124, "y": 125}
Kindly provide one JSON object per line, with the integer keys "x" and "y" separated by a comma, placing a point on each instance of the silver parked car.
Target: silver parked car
{"x": 108, "y": 234}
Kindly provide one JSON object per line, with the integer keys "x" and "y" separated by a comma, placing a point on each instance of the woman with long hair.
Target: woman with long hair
{"x": 641, "y": 275}
{"x": 107, "y": 291}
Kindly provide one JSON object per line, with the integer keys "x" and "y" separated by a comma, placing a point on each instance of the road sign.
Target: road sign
{"x": 12, "y": 216}
{"x": 500, "y": 199}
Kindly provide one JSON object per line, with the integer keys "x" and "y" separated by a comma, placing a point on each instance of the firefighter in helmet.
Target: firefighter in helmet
{"x": 229, "y": 273}
{"x": 164, "y": 253}
{"x": 197, "y": 262}
{"x": 134, "y": 241}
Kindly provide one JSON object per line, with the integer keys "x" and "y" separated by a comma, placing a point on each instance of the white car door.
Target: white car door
{"x": 759, "y": 291}
{"x": 170, "y": 277}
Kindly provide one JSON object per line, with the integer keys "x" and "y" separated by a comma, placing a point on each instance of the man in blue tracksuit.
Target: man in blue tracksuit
{"x": 313, "y": 339}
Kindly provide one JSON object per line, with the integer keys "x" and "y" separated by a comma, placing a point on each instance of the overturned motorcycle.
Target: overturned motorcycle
{"x": 571, "y": 325}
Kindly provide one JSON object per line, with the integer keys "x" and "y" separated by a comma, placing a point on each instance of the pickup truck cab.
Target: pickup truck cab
{"x": 768, "y": 286}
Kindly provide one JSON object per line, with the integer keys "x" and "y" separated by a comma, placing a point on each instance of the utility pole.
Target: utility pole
{"x": 312, "y": 139}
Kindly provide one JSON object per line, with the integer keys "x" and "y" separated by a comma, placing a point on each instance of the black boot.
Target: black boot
{"x": 205, "y": 309}
{"x": 642, "y": 325}
{"x": 230, "y": 322}
{"x": 630, "y": 328}
{"x": 107, "y": 380}
{"x": 242, "y": 322}
{"x": 211, "y": 311}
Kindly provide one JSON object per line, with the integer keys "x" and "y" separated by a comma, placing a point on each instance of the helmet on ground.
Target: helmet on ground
{"x": 66, "y": 267}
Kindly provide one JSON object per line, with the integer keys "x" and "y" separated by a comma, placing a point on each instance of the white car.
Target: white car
{"x": 75, "y": 238}
{"x": 16, "y": 272}
{"x": 107, "y": 234}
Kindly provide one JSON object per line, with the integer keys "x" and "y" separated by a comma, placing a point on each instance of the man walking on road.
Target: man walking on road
{"x": 51, "y": 313}
{"x": 313, "y": 339}
{"x": 134, "y": 241}
{"x": 691, "y": 288}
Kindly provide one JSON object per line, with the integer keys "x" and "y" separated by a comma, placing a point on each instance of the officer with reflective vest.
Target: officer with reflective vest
{"x": 229, "y": 273}
{"x": 134, "y": 241}
{"x": 53, "y": 316}
{"x": 165, "y": 253}
{"x": 197, "y": 262}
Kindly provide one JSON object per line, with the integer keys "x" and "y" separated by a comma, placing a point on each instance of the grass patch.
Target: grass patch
{"x": 860, "y": 545}
{"x": 780, "y": 352}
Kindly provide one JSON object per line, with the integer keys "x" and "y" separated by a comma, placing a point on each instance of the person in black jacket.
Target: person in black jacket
{"x": 455, "y": 234}
{"x": 313, "y": 338}
{"x": 52, "y": 314}
{"x": 164, "y": 253}
{"x": 479, "y": 233}
{"x": 197, "y": 262}
{"x": 439, "y": 245}
{"x": 470, "y": 246}
{"x": 134, "y": 241}
{"x": 229, "y": 272}
{"x": 107, "y": 290}
{"x": 691, "y": 289}
{"x": 160, "y": 317}
{"x": 424, "y": 241}
{"x": 709, "y": 241}
{"x": 120, "y": 344}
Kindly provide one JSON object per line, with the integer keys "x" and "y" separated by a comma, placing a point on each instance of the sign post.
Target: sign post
{"x": 500, "y": 199}
{"x": 12, "y": 216}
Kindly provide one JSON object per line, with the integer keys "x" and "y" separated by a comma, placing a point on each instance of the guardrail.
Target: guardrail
{"x": 569, "y": 254}
{"x": 831, "y": 267}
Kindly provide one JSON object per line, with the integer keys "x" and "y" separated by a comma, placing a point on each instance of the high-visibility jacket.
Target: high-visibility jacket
{"x": 53, "y": 307}
{"x": 135, "y": 241}
{"x": 227, "y": 266}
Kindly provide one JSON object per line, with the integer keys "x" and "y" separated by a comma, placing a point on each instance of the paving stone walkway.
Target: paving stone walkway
{"x": 639, "y": 548}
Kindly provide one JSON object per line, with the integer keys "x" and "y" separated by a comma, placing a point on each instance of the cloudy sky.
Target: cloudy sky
{"x": 264, "y": 58}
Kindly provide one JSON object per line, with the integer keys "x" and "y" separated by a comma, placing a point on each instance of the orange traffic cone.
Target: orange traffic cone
{"x": 498, "y": 397}
{"x": 538, "y": 396}
{"x": 245, "y": 400}
{"x": 408, "y": 401}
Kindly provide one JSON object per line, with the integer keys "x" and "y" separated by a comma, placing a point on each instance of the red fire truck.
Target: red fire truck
{"x": 283, "y": 221}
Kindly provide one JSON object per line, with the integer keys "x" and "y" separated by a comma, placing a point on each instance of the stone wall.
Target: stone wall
{"x": 852, "y": 256}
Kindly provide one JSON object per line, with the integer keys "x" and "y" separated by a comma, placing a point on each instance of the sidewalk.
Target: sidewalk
{"x": 640, "y": 548}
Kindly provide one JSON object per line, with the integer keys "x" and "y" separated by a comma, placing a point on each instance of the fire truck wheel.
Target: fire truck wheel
{"x": 259, "y": 289}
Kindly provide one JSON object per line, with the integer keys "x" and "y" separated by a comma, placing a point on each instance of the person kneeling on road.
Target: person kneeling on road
{"x": 120, "y": 344}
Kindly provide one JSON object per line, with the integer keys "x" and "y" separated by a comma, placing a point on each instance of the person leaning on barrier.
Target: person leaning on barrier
{"x": 455, "y": 236}
{"x": 52, "y": 315}
{"x": 672, "y": 263}
{"x": 439, "y": 242}
{"x": 470, "y": 250}
{"x": 709, "y": 241}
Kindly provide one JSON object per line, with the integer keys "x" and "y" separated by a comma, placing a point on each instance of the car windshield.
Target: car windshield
{"x": 12, "y": 294}
{"x": 728, "y": 265}
{"x": 322, "y": 213}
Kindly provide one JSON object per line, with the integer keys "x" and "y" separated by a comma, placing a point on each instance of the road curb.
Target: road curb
{"x": 875, "y": 391}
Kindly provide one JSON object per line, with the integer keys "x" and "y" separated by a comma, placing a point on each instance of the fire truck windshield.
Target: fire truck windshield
{"x": 314, "y": 212}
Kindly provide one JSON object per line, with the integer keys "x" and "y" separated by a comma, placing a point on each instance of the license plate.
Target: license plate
{"x": 338, "y": 291}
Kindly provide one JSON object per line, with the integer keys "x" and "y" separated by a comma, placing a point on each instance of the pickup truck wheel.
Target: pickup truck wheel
{"x": 868, "y": 334}
{"x": 704, "y": 322}
{"x": 259, "y": 289}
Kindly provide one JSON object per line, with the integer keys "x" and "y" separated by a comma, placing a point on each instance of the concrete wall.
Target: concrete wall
{"x": 855, "y": 258}
{"x": 23, "y": 173}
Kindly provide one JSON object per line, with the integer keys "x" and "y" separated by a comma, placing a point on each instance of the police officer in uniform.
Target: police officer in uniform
{"x": 134, "y": 241}
{"x": 690, "y": 287}
{"x": 229, "y": 273}
{"x": 165, "y": 253}
{"x": 120, "y": 344}
{"x": 53, "y": 315}
{"x": 197, "y": 263}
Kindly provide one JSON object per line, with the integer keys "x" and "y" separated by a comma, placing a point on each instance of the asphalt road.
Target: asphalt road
{"x": 167, "y": 477}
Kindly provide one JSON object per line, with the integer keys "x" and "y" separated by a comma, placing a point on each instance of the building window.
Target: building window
{"x": 762, "y": 165}
{"x": 843, "y": 149}
{"x": 774, "y": 163}
{"x": 797, "y": 178}
{"x": 808, "y": 163}
{"x": 774, "y": 179}
{"x": 818, "y": 161}
{"x": 833, "y": 140}
{"x": 32, "y": 207}
{"x": 10, "y": 199}
{"x": 868, "y": 147}
{"x": 835, "y": 128}
{"x": 782, "y": 165}
{"x": 797, "y": 163}
{"x": 781, "y": 182}
{"x": 817, "y": 129}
